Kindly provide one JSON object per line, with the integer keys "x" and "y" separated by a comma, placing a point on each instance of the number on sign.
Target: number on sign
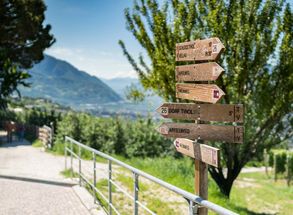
{"x": 164, "y": 111}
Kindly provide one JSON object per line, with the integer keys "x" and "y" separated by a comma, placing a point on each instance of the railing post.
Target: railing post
{"x": 135, "y": 212}
{"x": 65, "y": 153}
{"x": 71, "y": 159}
{"x": 52, "y": 134}
{"x": 193, "y": 208}
{"x": 95, "y": 175}
{"x": 79, "y": 165}
{"x": 110, "y": 185}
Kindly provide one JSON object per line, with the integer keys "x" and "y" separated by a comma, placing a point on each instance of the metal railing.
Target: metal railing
{"x": 194, "y": 201}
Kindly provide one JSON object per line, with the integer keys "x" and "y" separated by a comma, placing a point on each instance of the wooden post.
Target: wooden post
{"x": 288, "y": 169}
{"x": 275, "y": 167}
{"x": 201, "y": 183}
{"x": 266, "y": 161}
{"x": 201, "y": 178}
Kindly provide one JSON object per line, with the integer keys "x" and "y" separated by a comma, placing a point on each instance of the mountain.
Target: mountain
{"x": 63, "y": 83}
{"x": 119, "y": 84}
{"x": 150, "y": 103}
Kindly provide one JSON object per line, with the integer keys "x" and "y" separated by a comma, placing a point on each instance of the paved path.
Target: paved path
{"x": 31, "y": 183}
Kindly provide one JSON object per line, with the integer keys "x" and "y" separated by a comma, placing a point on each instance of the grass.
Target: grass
{"x": 259, "y": 194}
{"x": 252, "y": 193}
{"x": 58, "y": 149}
{"x": 68, "y": 173}
{"x": 37, "y": 143}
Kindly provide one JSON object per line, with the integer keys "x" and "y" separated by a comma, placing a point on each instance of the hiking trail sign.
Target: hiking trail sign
{"x": 204, "y": 112}
{"x": 210, "y": 93}
{"x": 199, "y": 50}
{"x": 199, "y": 72}
{"x": 226, "y": 133}
{"x": 202, "y": 152}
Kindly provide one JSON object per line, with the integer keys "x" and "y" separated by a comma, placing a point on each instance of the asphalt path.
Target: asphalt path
{"x": 31, "y": 183}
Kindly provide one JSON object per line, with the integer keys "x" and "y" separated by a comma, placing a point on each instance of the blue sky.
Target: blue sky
{"x": 87, "y": 34}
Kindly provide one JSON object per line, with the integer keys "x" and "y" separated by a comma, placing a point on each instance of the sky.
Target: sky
{"x": 87, "y": 34}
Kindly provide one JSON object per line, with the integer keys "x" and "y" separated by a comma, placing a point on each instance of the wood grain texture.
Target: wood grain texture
{"x": 210, "y": 93}
{"x": 199, "y": 50}
{"x": 226, "y": 133}
{"x": 201, "y": 183}
{"x": 199, "y": 72}
{"x": 204, "y": 112}
{"x": 202, "y": 152}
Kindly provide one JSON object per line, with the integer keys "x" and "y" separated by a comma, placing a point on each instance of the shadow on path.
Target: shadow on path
{"x": 34, "y": 180}
{"x": 15, "y": 144}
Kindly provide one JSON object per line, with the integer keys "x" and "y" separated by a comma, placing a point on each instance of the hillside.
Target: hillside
{"x": 61, "y": 82}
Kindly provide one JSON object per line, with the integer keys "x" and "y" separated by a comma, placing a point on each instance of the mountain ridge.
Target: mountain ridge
{"x": 61, "y": 82}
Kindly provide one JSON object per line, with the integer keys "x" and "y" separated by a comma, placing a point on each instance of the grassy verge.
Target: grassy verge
{"x": 58, "y": 149}
{"x": 68, "y": 173}
{"x": 252, "y": 193}
{"x": 37, "y": 143}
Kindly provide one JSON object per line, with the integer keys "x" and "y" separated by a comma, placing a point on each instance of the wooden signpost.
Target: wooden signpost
{"x": 202, "y": 152}
{"x": 204, "y": 155}
{"x": 204, "y": 112}
{"x": 199, "y": 50}
{"x": 227, "y": 133}
{"x": 210, "y": 93}
{"x": 199, "y": 72}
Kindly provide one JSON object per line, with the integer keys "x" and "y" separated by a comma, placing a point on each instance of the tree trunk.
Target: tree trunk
{"x": 225, "y": 183}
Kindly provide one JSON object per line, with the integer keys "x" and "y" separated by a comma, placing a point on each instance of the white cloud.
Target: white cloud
{"x": 102, "y": 64}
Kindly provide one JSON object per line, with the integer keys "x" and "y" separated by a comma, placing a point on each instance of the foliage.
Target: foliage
{"x": 134, "y": 94}
{"x": 113, "y": 135}
{"x": 290, "y": 167}
{"x": 38, "y": 117}
{"x": 280, "y": 163}
{"x": 10, "y": 78}
{"x": 23, "y": 38}
{"x": 7, "y": 115}
{"x": 258, "y": 63}
{"x": 283, "y": 162}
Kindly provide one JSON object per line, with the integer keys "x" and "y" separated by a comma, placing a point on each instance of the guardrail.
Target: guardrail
{"x": 194, "y": 201}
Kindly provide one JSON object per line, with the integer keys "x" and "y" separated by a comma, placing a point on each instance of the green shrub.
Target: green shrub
{"x": 271, "y": 159}
{"x": 280, "y": 162}
{"x": 290, "y": 164}
{"x": 130, "y": 138}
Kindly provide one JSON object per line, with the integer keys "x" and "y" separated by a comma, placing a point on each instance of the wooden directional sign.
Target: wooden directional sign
{"x": 210, "y": 93}
{"x": 199, "y": 50}
{"x": 202, "y": 152}
{"x": 226, "y": 133}
{"x": 199, "y": 72}
{"x": 204, "y": 112}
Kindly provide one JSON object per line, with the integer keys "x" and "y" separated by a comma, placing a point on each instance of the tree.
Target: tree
{"x": 23, "y": 38}
{"x": 257, "y": 62}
